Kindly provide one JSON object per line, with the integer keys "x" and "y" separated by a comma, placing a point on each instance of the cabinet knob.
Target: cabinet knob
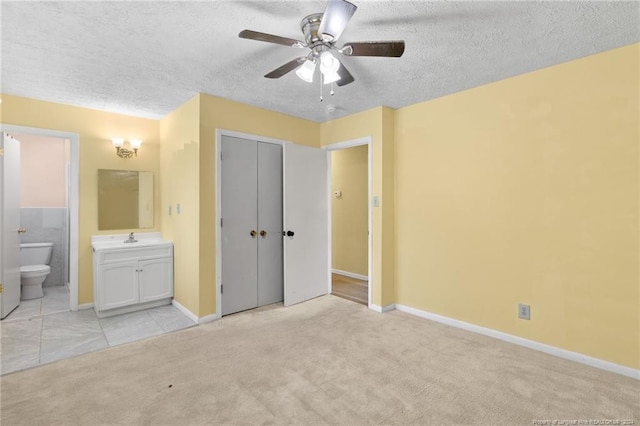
{"x": 253, "y": 233}
{"x": 263, "y": 233}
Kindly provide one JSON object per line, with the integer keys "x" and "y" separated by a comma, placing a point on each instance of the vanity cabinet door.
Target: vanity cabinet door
{"x": 119, "y": 284}
{"x": 155, "y": 279}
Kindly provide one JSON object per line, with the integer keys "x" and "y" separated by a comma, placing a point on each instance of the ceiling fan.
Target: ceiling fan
{"x": 321, "y": 32}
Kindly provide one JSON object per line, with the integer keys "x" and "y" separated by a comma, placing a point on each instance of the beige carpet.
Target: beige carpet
{"x": 327, "y": 361}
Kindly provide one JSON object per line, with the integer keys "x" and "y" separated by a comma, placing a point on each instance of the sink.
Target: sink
{"x": 117, "y": 241}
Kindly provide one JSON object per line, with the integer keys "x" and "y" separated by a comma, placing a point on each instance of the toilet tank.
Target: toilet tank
{"x": 35, "y": 253}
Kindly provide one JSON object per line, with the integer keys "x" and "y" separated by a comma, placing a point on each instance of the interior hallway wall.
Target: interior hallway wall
{"x": 378, "y": 124}
{"x": 349, "y": 211}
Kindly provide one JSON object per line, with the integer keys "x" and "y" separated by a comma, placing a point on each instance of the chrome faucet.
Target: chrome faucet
{"x": 131, "y": 239}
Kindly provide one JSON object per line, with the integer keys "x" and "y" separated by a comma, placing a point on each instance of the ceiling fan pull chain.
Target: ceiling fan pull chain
{"x": 321, "y": 84}
{"x": 333, "y": 86}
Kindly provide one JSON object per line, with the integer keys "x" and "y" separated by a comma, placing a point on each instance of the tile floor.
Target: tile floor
{"x": 44, "y": 330}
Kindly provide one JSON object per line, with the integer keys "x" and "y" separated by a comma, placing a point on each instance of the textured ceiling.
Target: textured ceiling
{"x": 147, "y": 58}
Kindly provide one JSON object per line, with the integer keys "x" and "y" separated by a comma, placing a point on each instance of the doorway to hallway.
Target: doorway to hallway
{"x": 351, "y": 202}
{"x": 350, "y": 288}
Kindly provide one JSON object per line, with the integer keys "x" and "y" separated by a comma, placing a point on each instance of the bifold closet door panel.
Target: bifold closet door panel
{"x": 239, "y": 200}
{"x": 270, "y": 284}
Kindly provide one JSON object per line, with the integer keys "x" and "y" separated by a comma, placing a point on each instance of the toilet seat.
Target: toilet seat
{"x": 31, "y": 270}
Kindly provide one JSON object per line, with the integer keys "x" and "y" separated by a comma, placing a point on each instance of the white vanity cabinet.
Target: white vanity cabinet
{"x": 129, "y": 277}
{"x": 155, "y": 279}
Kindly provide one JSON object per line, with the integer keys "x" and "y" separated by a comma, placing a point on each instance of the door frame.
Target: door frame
{"x": 218, "y": 161}
{"x": 73, "y": 200}
{"x": 350, "y": 144}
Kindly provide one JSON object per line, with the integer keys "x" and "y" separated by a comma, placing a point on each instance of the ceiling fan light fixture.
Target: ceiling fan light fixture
{"x": 306, "y": 71}
{"x": 329, "y": 63}
{"x": 329, "y": 66}
{"x": 335, "y": 19}
{"x": 330, "y": 77}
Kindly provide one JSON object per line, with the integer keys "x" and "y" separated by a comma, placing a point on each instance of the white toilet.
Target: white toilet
{"x": 34, "y": 268}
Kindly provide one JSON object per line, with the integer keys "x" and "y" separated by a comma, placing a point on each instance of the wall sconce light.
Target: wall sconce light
{"x": 124, "y": 152}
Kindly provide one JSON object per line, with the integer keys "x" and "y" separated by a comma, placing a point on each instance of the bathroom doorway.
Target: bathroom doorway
{"x": 48, "y": 181}
{"x": 350, "y": 175}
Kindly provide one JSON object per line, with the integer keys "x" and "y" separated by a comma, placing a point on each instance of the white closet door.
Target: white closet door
{"x": 239, "y": 200}
{"x": 306, "y": 196}
{"x": 269, "y": 224}
{"x": 10, "y": 222}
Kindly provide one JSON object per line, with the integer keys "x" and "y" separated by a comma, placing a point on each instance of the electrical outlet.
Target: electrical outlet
{"x": 524, "y": 311}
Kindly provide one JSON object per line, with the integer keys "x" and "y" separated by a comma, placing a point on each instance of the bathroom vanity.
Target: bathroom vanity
{"x": 130, "y": 276}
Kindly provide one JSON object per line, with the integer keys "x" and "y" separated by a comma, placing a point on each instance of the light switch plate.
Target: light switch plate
{"x": 178, "y": 208}
{"x": 376, "y": 201}
{"x": 524, "y": 311}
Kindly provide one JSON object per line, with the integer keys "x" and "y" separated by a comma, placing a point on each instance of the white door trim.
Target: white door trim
{"x": 74, "y": 141}
{"x": 349, "y": 144}
{"x": 218, "y": 161}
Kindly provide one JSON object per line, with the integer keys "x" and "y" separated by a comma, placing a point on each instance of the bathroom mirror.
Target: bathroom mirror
{"x": 125, "y": 199}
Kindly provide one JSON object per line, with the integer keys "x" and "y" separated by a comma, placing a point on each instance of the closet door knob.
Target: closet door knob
{"x": 253, "y": 233}
{"x": 22, "y": 230}
{"x": 263, "y": 233}
{"x": 290, "y": 233}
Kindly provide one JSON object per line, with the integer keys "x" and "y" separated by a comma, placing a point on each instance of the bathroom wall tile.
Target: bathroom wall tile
{"x": 169, "y": 318}
{"x": 57, "y": 264}
{"x": 31, "y": 218}
{"x": 20, "y": 343}
{"x": 70, "y": 333}
{"x": 129, "y": 327}
{"x": 40, "y": 235}
{"x": 53, "y": 218}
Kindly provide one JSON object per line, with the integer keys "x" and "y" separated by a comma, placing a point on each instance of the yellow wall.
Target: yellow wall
{"x": 180, "y": 163}
{"x": 95, "y": 130}
{"x": 349, "y": 212}
{"x": 377, "y": 123}
{"x": 526, "y": 191}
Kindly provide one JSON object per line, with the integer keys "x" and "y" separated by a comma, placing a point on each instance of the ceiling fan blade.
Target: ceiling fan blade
{"x": 393, "y": 48}
{"x": 335, "y": 19}
{"x": 288, "y": 67}
{"x": 270, "y": 38}
{"x": 345, "y": 76}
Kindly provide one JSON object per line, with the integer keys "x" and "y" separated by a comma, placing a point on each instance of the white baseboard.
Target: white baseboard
{"x": 85, "y": 306}
{"x": 208, "y": 318}
{"x": 350, "y": 274}
{"x": 548, "y": 349}
{"x": 193, "y": 317}
{"x": 382, "y": 309}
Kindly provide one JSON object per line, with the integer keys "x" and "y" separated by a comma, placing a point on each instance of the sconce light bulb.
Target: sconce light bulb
{"x": 135, "y": 144}
{"x": 117, "y": 142}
